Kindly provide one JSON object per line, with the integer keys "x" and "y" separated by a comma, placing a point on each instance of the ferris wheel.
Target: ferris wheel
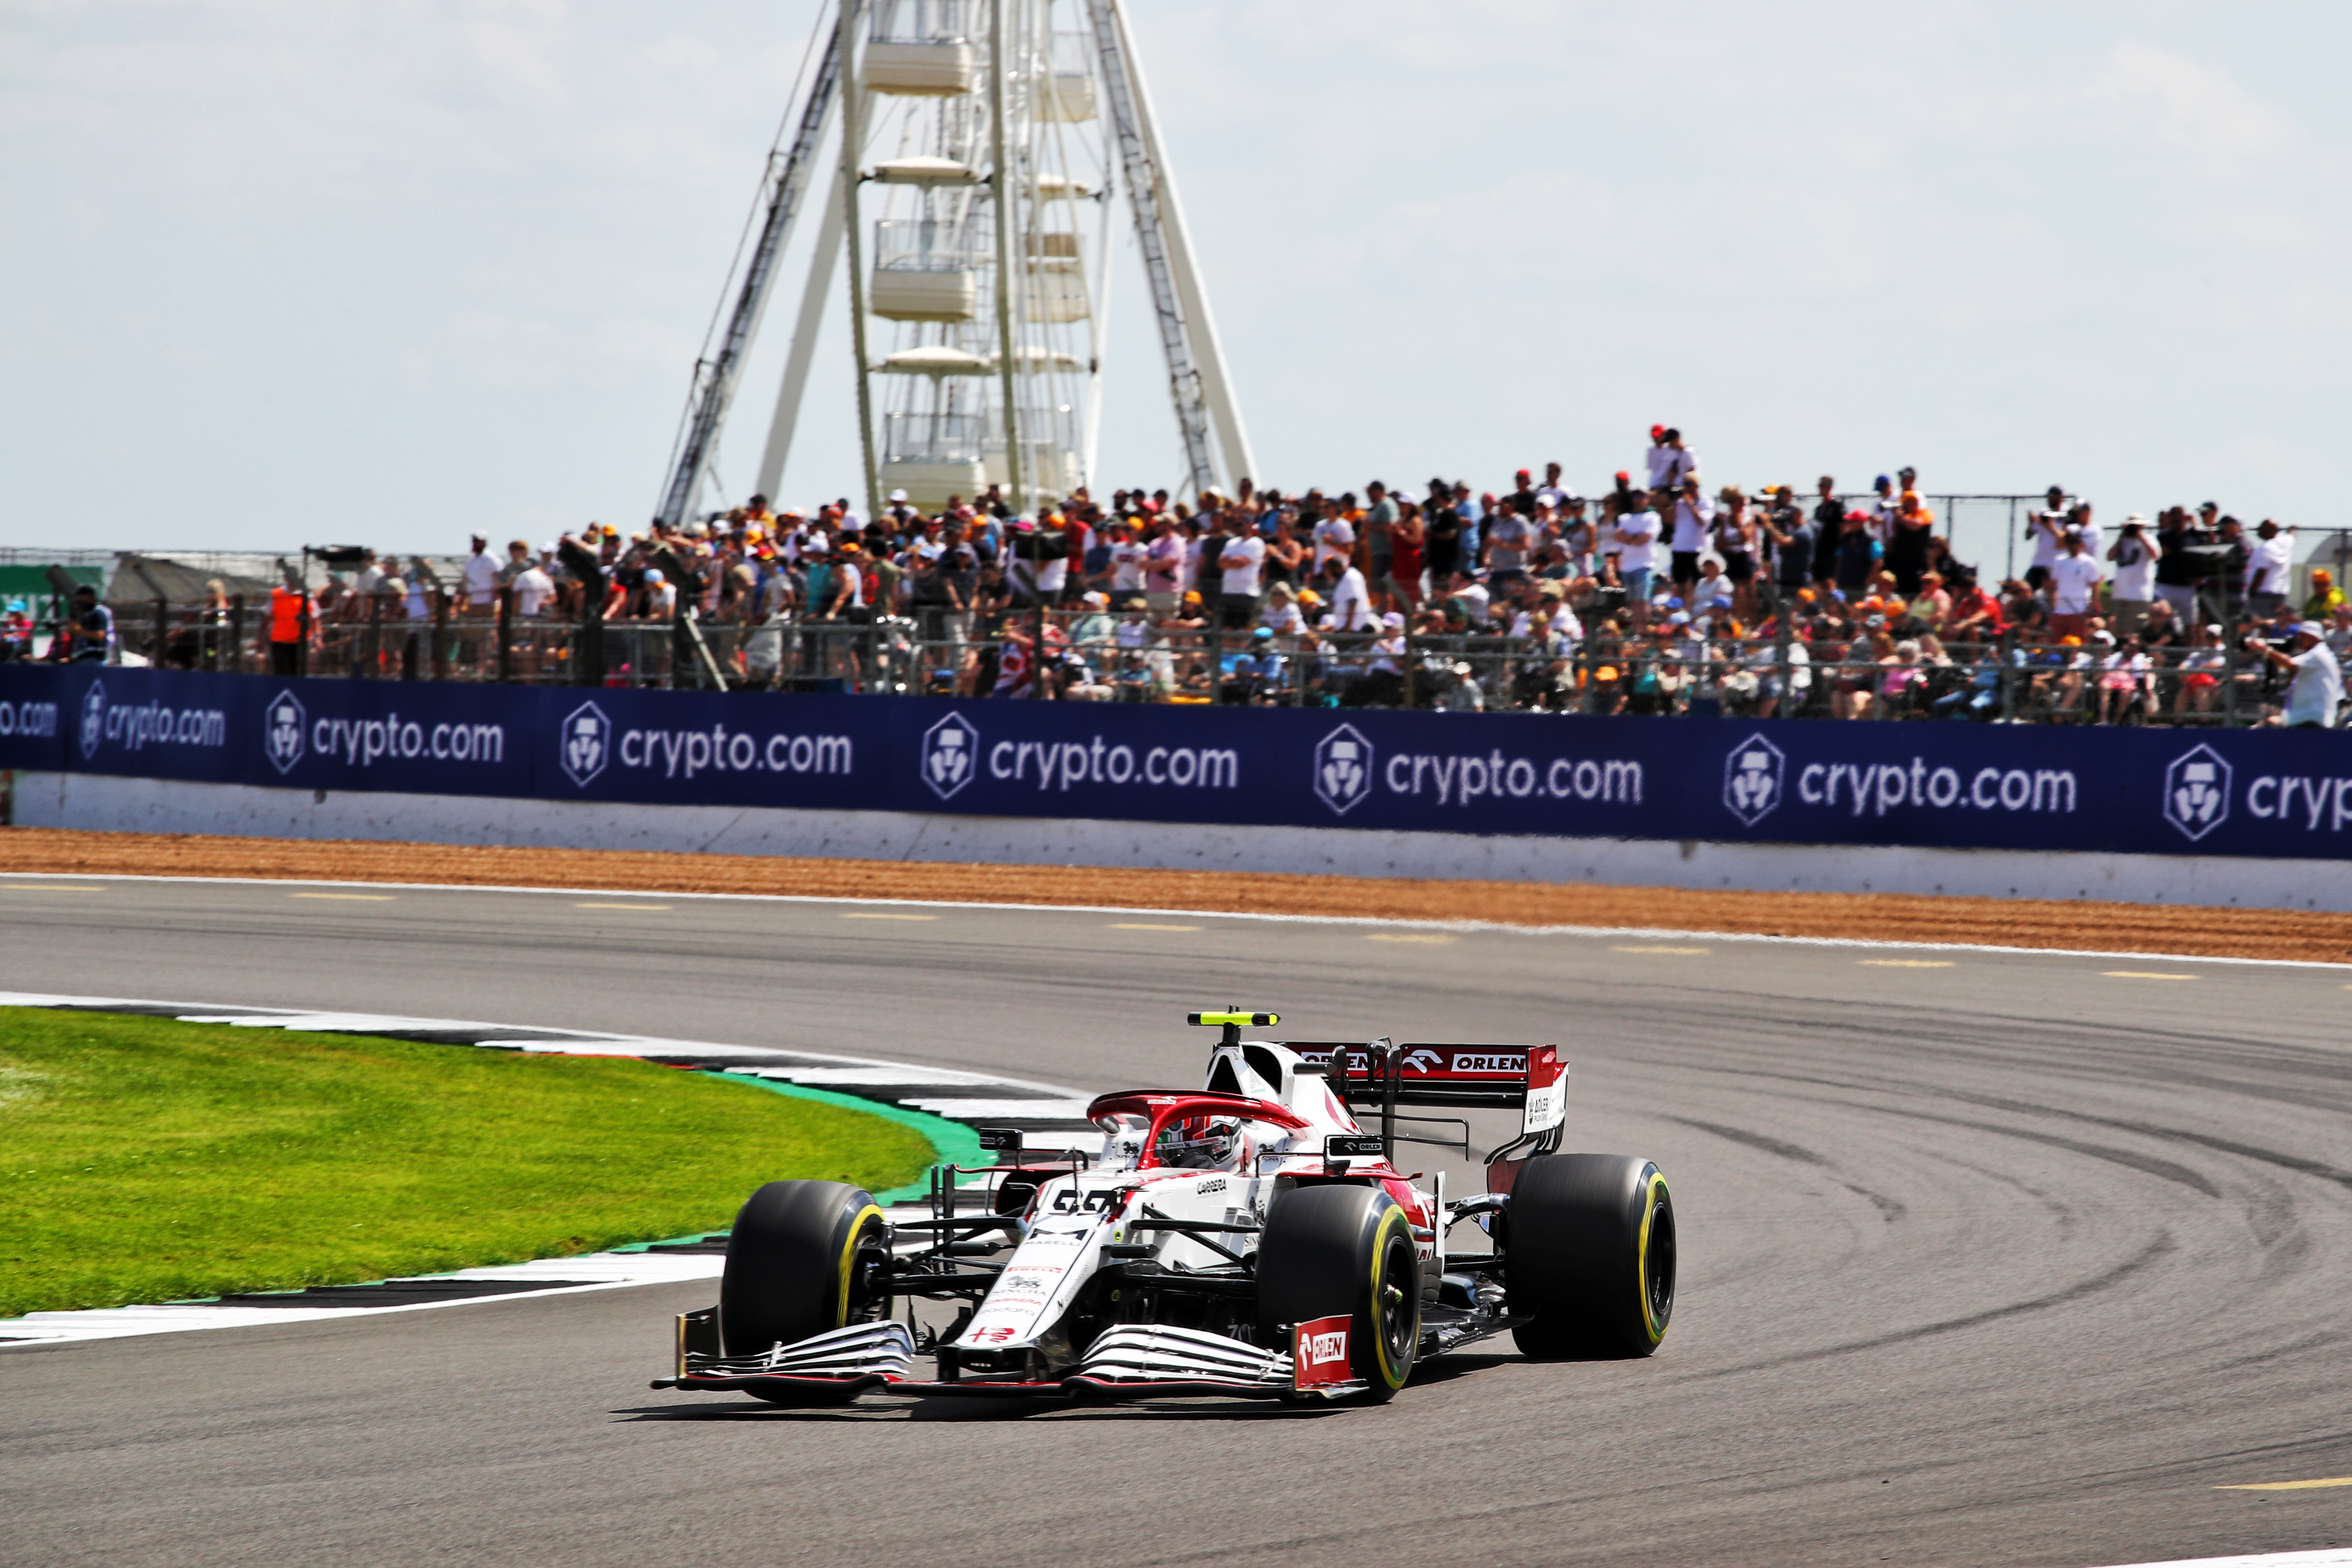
{"x": 979, "y": 149}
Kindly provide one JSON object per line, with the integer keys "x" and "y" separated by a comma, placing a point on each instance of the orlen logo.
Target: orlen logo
{"x": 950, "y": 755}
{"x": 1424, "y": 1060}
{"x": 587, "y": 742}
{"x": 1343, "y": 769}
{"x": 2197, "y": 792}
{"x": 1752, "y": 778}
{"x": 1325, "y": 1348}
{"x": 93, "y": 720}
{"x": 282, "y": 727}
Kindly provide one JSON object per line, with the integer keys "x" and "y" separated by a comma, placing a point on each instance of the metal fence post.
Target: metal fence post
{"x": 440, "y": 634}
{"x": 2009, "y": 672}
{"x": 506, "y": 635}
{"x": 2229, "y": 685}
{"x": 236, "y": 634}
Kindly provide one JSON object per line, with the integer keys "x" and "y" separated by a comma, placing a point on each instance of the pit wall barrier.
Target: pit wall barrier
{"x": 2256, "y": 818}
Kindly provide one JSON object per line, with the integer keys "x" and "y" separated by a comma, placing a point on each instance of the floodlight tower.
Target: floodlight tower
{"x": 981, "y": 144}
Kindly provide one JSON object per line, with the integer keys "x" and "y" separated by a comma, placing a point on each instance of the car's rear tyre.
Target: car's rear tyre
{"x": 1590, "y": 1255}
{"x": 798, "y": 1262}
{"x": 1335, "y": 1251}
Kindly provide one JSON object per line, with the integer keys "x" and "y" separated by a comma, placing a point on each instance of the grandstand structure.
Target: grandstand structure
{"x": 969, "y": 160}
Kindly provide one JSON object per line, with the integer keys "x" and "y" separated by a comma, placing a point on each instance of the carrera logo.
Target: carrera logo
{"x": 1325, "y": 1348}
{"x": 1213, "y": 1184}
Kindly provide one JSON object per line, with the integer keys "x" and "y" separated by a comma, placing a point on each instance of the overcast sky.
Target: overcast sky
{"x": 287, "y": 271}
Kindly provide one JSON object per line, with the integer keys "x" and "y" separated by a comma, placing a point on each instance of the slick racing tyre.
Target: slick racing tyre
{"x": 798, "y": 1263}
{"x": 1590, "y": 1255}
{"x": 1333, "y": 1251}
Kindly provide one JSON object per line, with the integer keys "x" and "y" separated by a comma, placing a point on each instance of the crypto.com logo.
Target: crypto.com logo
{"x": 1343, "y": 769}
{"x": 950, "y": 755}
{"x": 2197, "y": 792}
{"x": 93, "y": 720}
{"x": 1752, "y": 777}
{"x": 587, "y": 742}
{"x": 282, "y": 731}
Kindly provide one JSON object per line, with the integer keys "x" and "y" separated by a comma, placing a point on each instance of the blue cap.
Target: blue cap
{"x": 1678, "y": 619}
{"x": 1720, "y": 603}
{"x": 1263, "y": 634}
{"x": 1881, "y": 480}
{"x": 1674, "y": 601}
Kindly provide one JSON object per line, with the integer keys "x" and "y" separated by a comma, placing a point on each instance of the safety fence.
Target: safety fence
{"x": 1131, "y": 658}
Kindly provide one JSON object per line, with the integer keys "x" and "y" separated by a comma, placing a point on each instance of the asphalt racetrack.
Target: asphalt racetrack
{"x": 1986, "y": 1259}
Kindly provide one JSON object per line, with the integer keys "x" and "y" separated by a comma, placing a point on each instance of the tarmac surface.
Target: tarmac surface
{"x": 1985, "y": 1259}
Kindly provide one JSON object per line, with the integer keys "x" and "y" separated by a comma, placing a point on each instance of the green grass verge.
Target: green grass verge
{"x": 147, "y": 1160}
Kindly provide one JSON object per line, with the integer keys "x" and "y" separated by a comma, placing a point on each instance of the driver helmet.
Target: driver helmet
{"x": 1202, "y": 1143}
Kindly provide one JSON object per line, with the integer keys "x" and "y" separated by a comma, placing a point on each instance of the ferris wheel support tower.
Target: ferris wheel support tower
{"x": 975, "y": 126}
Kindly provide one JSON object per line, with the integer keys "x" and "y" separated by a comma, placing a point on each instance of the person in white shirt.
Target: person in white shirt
{"x": 2075, "y": 579}
{"x": 2134, "y": 553}
{"x": 1694, "y": 528}
{"x": 1241, "y": 561}
{"x": 1661, "y": 460}
{"x": 1127, "y": 562}
{"x": 481, "y": 578}
{"x": 1635, "y": 539}
{"x": 2047, "y": 530}
{"x": 2269, "y": 567}
{"x": 1333, "y": 536}
{"x": 533, "y": 588}
{"x": 661, "y": 594}
{"x": 2318, "y": 688}
{"x": 1344, "y": 591}
{"x": 1682, "y": 463}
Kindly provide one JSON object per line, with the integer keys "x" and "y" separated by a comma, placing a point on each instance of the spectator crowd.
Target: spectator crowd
{"x": 1660, "y": 592}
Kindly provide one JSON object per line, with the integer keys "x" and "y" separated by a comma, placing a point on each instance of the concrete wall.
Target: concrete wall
{"x": 149, "y": 806}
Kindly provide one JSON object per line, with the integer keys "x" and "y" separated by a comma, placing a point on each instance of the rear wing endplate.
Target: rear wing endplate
{"x": 1530, "y": 1079}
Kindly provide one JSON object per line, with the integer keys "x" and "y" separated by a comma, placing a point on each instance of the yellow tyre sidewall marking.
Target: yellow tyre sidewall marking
{"x": 846, "y": 1265}
{"x": 1653, "y": 1191}
{"x": 1388, "y": 1375}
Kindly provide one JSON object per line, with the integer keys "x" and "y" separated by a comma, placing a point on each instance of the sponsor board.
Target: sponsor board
{"x": 1319, "y": 1353}
{"x": 2144, "y": 791}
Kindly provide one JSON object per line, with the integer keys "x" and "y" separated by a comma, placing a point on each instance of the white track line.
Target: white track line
{"x": 952, "y": 1096}
{"x": 1865, "y": 943}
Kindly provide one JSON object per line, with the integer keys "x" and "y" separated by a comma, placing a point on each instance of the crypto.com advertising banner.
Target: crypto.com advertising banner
{"x": 2265, "y": 793}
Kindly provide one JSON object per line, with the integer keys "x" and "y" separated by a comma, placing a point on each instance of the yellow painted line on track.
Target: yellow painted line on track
{"x": 2141, "y": 974}
{"x": 1682, "y": 952}
{"x": 55, "y": 887}
{"x": 1906, "y": 963}
{"x": 354, "y": 897}
{"x": 1136, "y": 925}
{"x": 655, "y": 909}
{"x": 1431, "y": 938}
{"x": 2287, "y": 1486}
{"x": 864, "y": 915}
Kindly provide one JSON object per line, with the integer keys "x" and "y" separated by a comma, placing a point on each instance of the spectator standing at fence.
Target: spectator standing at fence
{"x": 1856, "y": 558}
{"x": 2046, "y": 530}
{"x": 1636, "y": 541}
{"x": 2135, "y": 553}
{"x": 1510, "y": 538}
{"x": 2318, "y": 681}
{"x": 1829, "y": 529}
{"x": 1660, "y": 460}
{"x": 1240, "y": 561}
{"x": 1441, "y": 521}
{"x": 2233, "y": 556}
{"x": 1911, "y": 528}
{"x": 1344, "y": 590}
{"x": 2324, "y": 597}
{"x": 292, "y": 616}
{"x": 2074, "y": 579}
{"x": 479, "y": 580}
{"x": 1407, "y": 542}
{"x": 2177, "y": 562}
{"x": 1694, "y": 525}
{"x": 1381, "y": 514}
{"x": 1793, "y": 537}
{"x": 2269, "y": 568}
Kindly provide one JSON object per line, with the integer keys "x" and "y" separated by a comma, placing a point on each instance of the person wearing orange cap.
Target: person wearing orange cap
{"x": 2324, "y": 596}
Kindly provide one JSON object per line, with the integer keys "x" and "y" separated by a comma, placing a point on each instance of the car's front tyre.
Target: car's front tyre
{"x": 796, "y": 1263}
{"x": 1343, "y": 1250}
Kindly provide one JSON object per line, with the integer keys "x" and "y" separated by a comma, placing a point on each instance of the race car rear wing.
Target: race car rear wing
{"x": 1530, "y": 1079}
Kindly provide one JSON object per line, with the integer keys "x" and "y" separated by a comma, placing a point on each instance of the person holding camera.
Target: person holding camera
{"x": 2135, "y": 553}
{"x": 2318, "y": 681}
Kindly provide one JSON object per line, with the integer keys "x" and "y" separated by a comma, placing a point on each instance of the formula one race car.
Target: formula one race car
{"x": 1251, "y": 1238}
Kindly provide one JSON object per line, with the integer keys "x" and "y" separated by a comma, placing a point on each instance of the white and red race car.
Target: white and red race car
{"x": 1249, "y": 1238}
